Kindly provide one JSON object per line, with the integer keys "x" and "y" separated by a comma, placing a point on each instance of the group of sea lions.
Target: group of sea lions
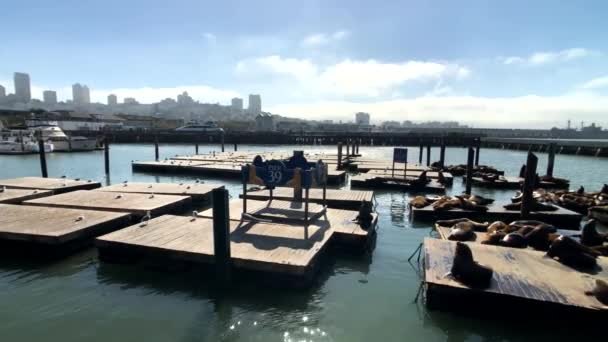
{"x": 461, "y": 169}
{"x": 558, "y": 182}
{"x": 442, "y": 203}
{"x": 586, "y": 203}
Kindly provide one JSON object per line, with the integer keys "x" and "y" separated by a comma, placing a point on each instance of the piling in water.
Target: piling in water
{"x": 42, "y": 154}
{"x": 551, "y": 161}
{"x": 221, "y": 234}
{"x": 469, "y": 180}
{"x": 528, "y": 186}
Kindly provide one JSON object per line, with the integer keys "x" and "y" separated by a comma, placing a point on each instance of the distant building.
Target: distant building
{"x": 362, "y": 118}
{"x": 80, "y": 94}
{"x": 50, "y": 97}
{"x": 112, "y": 100}
{"x": 2, "y": 92}
{"x": 264, "y": 122}
{"x": 184, "y": 99}
{"x": 237, "y": 105}
{"x": 255, "y": 104}
{"x": 130, "y": 101}
{"x": 22, "y": 87}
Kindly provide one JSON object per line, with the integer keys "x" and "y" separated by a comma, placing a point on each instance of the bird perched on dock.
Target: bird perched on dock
{"x": 3, "y": 189}
{"x": 63, "y": 176}
{"x": 194, "y": 215}
{"x": 151, "y": 196}
{"x": 125, "y": 183}
{"x": 119, "y": 196}
{"x": 80, "y": 218}
{"x": 145, "y": 219}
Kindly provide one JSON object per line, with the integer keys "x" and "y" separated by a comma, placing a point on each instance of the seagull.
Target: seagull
{"x": 194, "y": 216}
{"x": 3, "y": 188}
{"x": 151, "y": 195}
{"x": 80, "y": 218}
{"x": 63, "y": 176}
{"x": 119, "y": 196}
{"x": 145, "y": 219}
{"x": 150, "y": 186}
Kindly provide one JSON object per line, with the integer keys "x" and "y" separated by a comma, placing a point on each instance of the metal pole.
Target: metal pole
{"x": 196, "y": 148}
{"x": 244, "y": 196}
{"x": 222, "y": 140}
{"x": 421, "y": 153}
{"x": 477, "y": 148}
{"x": 306, "y": 207}
{"x": 221, "y": 234}
{"x": 339, "y": 156}
{"x": 551, "y": 162}
{"x": 528, "y": 187}
{"x": 428, "y": 155}
{"x": 235, "y": 148}
{"x": 42, "y": 154}
{"x": 156, "y": 147}
{"x": 442, "y": 154}
{"x": 106, "y": 154}
{"x": 469, "y": 180}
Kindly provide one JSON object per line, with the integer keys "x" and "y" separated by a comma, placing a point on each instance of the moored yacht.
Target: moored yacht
{"x": 51, "y": 133}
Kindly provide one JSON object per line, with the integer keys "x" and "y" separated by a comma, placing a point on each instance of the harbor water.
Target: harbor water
{"x": 356, "y": 298}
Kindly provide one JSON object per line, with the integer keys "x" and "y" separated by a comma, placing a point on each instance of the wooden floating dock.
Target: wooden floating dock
{"x": 524, "y": 282}
{"x": 340, "y": 199}
{"x": 510, "y": 182}
{"x": 562, "y": 218}
{"x": 367, "y": 181}
{"x": 54, "y": 229}
{"x": 449, "y": 179}
{"x": 444, "y": 232}
{"x": 57, "y": 185}
{"x": 217, "y": 169}
{"x": 134, "y": 203}
{"x": 16, "y": 196}
{"x": 377, "y": 164}
{"x": 289, "y": 251}
{"x": 199, "y": 192}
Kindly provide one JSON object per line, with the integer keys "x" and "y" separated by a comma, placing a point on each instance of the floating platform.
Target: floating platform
{"x": 444, "y": 232}
{"x": 291, "y": 252}
{"x": 449, "y": 179}
{"x": 199, "y": 192}
{"x": 340, "y": 199}
{"x": 524, "y": 282}
{"x": 367, "y": 181}
{"x": 16, "y": 196}
{"x": 54, "y": 230}
{"x": 57, "y": 185}
{"x": 136, "y": 204}
{"x": 217, "y": 169}
{"x": 375, "y": 164}
{"x": 510, "y": 182}
{"x": 562, "y": 218}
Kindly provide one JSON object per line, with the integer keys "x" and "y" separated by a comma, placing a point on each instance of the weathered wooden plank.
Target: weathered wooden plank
{"x": 521, "y": 273}
{"x": 134, "y": 203}
{"x": 16, "y": 196}
{"x": 198, "y": 191}
{"x": 57, "y": 185}
{"x": 54, "y": 226}
{"x": 350, "y": 199}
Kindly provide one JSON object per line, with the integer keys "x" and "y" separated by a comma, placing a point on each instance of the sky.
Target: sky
{"x": 523, "y": 64}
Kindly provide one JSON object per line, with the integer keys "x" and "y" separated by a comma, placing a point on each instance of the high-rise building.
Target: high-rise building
{"x": 130, "y": 100}
{"x": 50, "y": 97}
{"x": 362, "y": 118}
{"x": 2, "y": 92}
{"x": 80, "y": 94}
{"x": 237, "y": 105}
{"x": 112, "y": 100}
{"x": 22, "y": 87}
{"x": 255, "y": 104}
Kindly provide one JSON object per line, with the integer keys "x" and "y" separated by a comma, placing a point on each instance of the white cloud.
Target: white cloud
{"x": 351, "y": 77}
{"x": 600, "y": 82}
{"x": 547, "y": 57}
{"x": 318, "y": 39}
{"x": 525, "y": 111}
{"x": 210, "y": 37}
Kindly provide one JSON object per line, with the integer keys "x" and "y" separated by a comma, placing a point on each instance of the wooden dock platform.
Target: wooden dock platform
{"x": 366, "y": 165}
{"x": 134, "y": 203}
{"x": 340, "y": 199}
{"x": 524, "y": 283}
{"x": 199, "y": 192}
{"x": 511, "y": 182}
{"x": 367, "y": 181}
{"x": 562, "y": 218}
{"x": 16, "y": 196}
{"x": 57, "y": 185}
{"x": 54, "y": 229}
{"x": 444, "y": 232}
{"x": 449, "y": 179}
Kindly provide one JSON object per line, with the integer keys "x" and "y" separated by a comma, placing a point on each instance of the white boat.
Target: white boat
{"x": 51, "y": 133}
{"x": 20, "y": 142}
{"x": 207, "y": 127}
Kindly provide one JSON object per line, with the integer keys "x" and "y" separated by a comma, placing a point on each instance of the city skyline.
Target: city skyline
{"x": 506, "y": 64}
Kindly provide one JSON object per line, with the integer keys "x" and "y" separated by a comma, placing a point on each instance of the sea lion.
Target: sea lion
{"x": 365, "y": 216}
{"x": 571, "y": 253}
{"x": 581, "y": 190}
{"x": 467, "y": 271}
{"x": 539, "y": 237}
{"x": 604, "y": 189}
{"x": 533, "y": 223}
{"x": 476, "y": 226}
{"x": 446, "y": 203}
{"x": 493, "y": 238}
{"x": 601, "y": 250}
{"x": 590, "y": 236}
{"x": 461, "y": 232}
{"x": 514, "y": 240}
{"x": 535, "y": 206}
{"x": 600, "y": 291}
{"x": 466, "y": 204}
{"x": 419, "y": 202}
{"x": 479, "y": 200}
{"x": 497, "y": 226}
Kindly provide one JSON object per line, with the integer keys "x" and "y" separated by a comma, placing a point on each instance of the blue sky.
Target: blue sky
{"x": 486, "y": 63}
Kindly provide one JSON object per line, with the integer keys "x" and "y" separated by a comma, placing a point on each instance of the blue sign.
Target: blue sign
{"x": 400, "y": 155}
{"x": 294, "y": 172}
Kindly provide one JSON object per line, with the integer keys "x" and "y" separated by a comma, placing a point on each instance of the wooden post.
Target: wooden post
{"x": 339, "y": 156}
{"x": 421, "y": 153}
{"x": 222, "y": 140}
{"x": 528, "y": 187}
{"x": 196, "y": 148}
{"x": 347, "y": 148}
{"x": 42, "y": 154}
{"x": 156, "y": 147}
{"x": 477, "y": 148}
{"x": 551, "y": 162}
{"x": 235, "y": 148}
{"x": 106, "y": 154}
{"x": 469, "y": 180}
{"x": 428, "y": 155}
{"x": 442, "y": 154}
{"x": 221, "y": 234}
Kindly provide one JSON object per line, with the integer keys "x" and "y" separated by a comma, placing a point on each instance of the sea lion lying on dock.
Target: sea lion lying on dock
{"x": 493, "y": 238}
{"x": 479, "y": 200}
{"x": 461, "y": 232}
{"x": 600, "y": 291}
{"x": 520, "y": 234}
{"x": 467, "y": 271}
{"x": 419, "y": 202}
{"x": 562, "y": 182}
{"x": 571, "y": 253}
{"x": 514, "y": 240}
{"x": 535, "y": 206}
{"x": 590, "y": 236}
{"x": 476, "y": 226}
